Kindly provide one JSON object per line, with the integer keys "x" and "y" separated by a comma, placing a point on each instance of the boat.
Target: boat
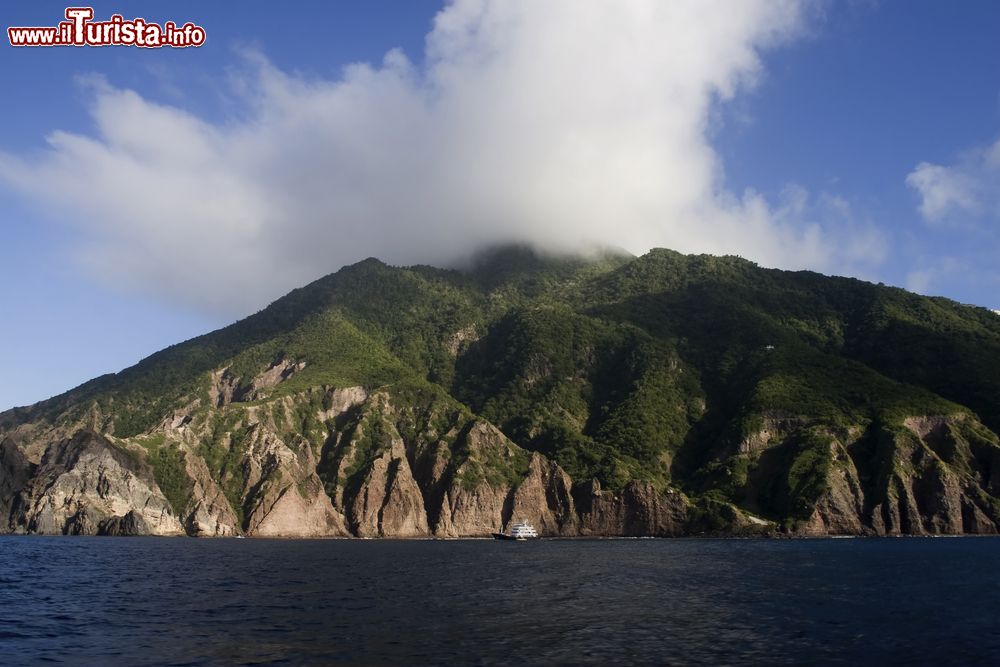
{"x": 520, "y": 531}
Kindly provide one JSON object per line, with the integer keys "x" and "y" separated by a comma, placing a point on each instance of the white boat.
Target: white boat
{"x": 520, "y": 531}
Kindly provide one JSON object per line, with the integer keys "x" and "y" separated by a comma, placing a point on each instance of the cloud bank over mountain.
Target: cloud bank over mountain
{"x": 565, "y": 124}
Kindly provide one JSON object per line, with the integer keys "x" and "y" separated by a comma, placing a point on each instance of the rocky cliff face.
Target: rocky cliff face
{"x": 15, "y": 473}
{"x": 458, "y": 478}
{"x": 927, "y": 475}
{"x": 639, "y": 510}
{"x": 340, "y": 462}
{"x": 364, "y": 466}
{"x": 85, "y": 485}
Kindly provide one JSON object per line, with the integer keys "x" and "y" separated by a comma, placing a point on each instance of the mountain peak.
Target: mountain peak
{"x": 703, "y": 390}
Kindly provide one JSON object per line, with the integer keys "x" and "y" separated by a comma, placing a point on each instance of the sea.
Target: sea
{"x": 183, "y": 601}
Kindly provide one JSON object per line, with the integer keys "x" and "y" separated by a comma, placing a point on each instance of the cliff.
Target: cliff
{"x": 354, "y": 475}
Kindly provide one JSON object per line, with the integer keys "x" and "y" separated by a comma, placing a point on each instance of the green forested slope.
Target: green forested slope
{"x": 708, "y": 374}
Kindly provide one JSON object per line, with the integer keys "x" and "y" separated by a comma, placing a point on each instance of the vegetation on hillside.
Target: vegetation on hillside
{"x": 657, "y": 368}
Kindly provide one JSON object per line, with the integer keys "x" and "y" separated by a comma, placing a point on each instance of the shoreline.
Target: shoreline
{"x": 544, "y": 538}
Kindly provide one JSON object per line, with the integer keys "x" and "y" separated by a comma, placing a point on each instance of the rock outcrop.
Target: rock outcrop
{"x": 637, "y": 511}
{"x": 924, "y": 476}
{"x": 227, "y": 387}
{"x": 85, "y": 485}
{"x": 208, "y": 513}
{"x": 15, "y": 471}
{"x": 284, "y": 496}
{"x": 337, "y": 462}
{"x": 471, "y": 503}
{"x": 545, "y": 498}
{"x": 388, "y": 502}
{"x": 130, "y": 525}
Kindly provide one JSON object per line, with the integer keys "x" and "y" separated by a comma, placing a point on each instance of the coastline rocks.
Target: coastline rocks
{"x": 282, "y": 495}
{"x": 924, "y": 477}
{"x": 341, "y": 462}
{"x": 840, "y": 510}
{"x": 208, "y": 513}
{"x": 638, "y": 511}
{"x": 85, "y": 482}
{"x": 15, "y": 471}
{"x": 130, "y": 525}
{"x": 545, "y": 499}
{"x": 474, "y": 505}
{"x": 388, "y": 502}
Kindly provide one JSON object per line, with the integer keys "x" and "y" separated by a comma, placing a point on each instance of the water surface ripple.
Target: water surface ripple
{"x": 152, "y": 601}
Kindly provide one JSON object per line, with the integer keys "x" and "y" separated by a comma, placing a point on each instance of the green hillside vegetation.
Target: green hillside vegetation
{"x": 657, "y": 368}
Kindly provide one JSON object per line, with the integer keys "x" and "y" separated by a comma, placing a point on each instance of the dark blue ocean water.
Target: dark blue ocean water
{"x": 150, "y": 601}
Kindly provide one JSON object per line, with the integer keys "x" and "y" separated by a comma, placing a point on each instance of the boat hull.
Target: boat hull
{"x": 504, "y": 536}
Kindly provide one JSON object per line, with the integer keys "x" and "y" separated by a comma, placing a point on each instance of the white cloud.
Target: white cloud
{"x": 943, "y": 191}
{"x": 963, "y": 192}
{"x": 962, "y": 200}
{"x": 566, "y": 124}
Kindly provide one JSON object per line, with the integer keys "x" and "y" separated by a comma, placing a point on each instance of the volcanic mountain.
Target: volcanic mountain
{"x": 615, "y": 395}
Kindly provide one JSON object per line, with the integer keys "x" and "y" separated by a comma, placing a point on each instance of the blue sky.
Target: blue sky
{"x": 855, "y": 137}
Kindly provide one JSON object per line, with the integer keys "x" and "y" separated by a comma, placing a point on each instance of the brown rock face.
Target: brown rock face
{"x": 459, "y": 478}
{"x": 340, "y": 401}
{"x": 226, "y": 388}
{"x": 294, "y": 511}
{"x": 15, "y": 471}
{"x": 130, "y": 525}
{"x": 208, "y": 514}
{"x": 283, "y": 495}
{"x": 475, "y": 512}
{"x": 389, "y": 502}
{"x": 352, "y": 462}
{"x": 474, "y": 505}
{"x": 545, "y": 499}
{"x": 922, "y": 479}
{"x": 85, "y": 484}
{"x": 639, "y": 510}
{"x": 774, "y": 427}
{"x": 477, "y": 504}
{"x": 840, "y": 510}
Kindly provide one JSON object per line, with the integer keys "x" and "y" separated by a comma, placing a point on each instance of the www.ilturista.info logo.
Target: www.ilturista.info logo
{"x": 81, "y": 30}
